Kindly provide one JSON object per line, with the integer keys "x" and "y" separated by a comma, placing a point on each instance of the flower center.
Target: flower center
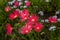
{"x": 15, "y": 16}
{"x": 33, "y": 19}
{"x": 37, "y": 27}
{"x": 25, "y": 18}
{"x": 26, "y": 30}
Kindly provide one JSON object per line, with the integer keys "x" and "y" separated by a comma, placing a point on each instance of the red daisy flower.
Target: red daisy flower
{"x": 8, "y": 29}
{"x": 38, "y": 27}
{"x": 53, "y": 19}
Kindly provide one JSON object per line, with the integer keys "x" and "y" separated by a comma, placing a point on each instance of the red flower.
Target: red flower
{"x": 33, "y": 19}
{"x": 16, "y": 4}
{"x": 38, "y": 27}
{"x": 8, "y": 29}
{"x": 26, "y": 29}
{"x": 53, "y": 19}
{"x": 24, "y": 14}
{"x": 7, "y": 9}
{"x": 13, "y": 15}
{"x": 27, "y": 3}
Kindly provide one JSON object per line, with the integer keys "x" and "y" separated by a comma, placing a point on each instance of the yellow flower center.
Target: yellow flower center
{"x": 26, "y": 30}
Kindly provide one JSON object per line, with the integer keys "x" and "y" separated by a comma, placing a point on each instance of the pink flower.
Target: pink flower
{"x": 27, "y": 3}
{"x": 8, "y": 29}
{"x": 13, "y": 15}
{"x": 53, "y": 19}
{"x": 26, "y": 29}
{"x": 26, "y": 12}
{"x": 38, "y": 27}
{"x": 16, "y": 4}
{"x": 33, "y": 19}
{"x": 7, "y": 9}
{"x": 24, "y": 15}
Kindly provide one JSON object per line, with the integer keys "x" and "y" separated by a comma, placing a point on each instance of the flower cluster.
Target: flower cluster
{"x": 37, "y": 27}
{"x": 32, "y": 21}
{"x": 23, "y": 15}
{"x": 16, "y": 4}
{"x": 19, "y": 3}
